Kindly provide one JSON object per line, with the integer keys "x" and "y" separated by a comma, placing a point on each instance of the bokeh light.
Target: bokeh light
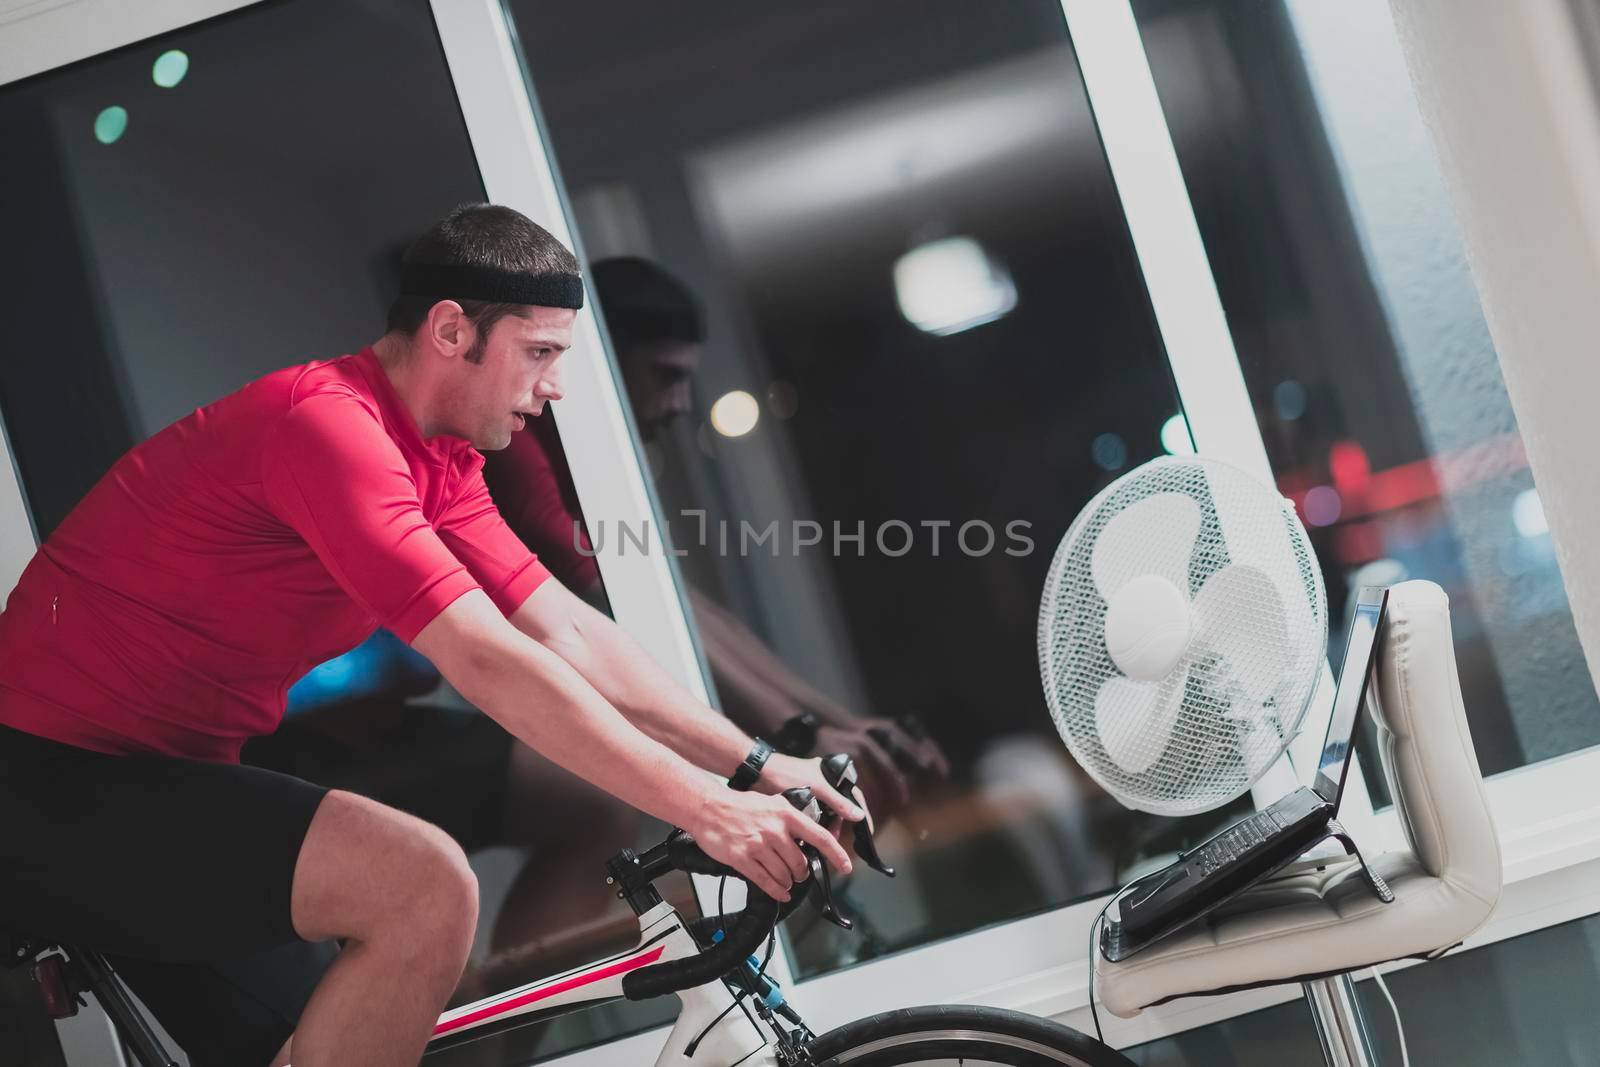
{"x": 110, "y": 124}
{"x": 952, "y": 284}
{"x": 1175, "y": 436}
{"x": 1289, "y": 398}
{"x": 1322, "y": 505}
{"x": 1527, "y": 512}
{"x": 1110, "y": 452}
{"x": 169, "y": 68}
{"x": 735, "y": 413}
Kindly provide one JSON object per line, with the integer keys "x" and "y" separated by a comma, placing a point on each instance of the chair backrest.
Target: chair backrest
{"x": 1428, "y": 756}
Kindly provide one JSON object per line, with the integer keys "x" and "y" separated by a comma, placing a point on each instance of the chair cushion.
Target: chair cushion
{"x": 1309, "y": 924}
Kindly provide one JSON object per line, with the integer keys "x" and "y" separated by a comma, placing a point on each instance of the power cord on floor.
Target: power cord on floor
{"x": 1400, "y": 1031}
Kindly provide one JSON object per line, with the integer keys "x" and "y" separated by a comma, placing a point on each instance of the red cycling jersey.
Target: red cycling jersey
{"x": 224, "y": 557}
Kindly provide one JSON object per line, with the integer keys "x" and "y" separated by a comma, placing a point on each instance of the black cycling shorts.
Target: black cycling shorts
{"x": 180, "y": 871}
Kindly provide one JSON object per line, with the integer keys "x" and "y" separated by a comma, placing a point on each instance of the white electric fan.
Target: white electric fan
{"x": 1182, "y": 634}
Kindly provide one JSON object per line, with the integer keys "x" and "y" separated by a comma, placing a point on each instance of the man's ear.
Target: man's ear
{"x": 449, "y": 328}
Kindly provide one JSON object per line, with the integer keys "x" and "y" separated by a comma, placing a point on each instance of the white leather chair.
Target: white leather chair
{"x": 1312, "y": 926}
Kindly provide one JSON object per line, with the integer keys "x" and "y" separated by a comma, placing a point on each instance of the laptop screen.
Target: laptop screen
{"x": 1350, "y": 693}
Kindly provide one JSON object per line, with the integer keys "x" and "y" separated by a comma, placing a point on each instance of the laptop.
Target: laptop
{"x": 1261, "y": 844}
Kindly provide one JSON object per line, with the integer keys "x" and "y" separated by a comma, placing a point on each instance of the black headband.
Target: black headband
{"x": 459, "y": 282}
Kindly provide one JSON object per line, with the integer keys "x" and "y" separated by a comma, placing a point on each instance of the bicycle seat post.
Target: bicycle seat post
{"x": 96, "y": 975}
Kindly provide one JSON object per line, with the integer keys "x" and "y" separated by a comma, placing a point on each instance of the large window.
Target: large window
{"x": 1379, "y": 396}
{"x": 870, "y": 292}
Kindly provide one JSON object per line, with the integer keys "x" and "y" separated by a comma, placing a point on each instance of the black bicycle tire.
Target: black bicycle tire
{"x": 950, "y": 1031}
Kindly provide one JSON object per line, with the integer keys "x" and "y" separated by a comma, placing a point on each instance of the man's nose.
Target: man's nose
{"x": 549, "y": 387}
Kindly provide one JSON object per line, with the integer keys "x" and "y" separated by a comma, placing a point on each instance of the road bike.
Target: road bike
{"x": 732, "y": 1014}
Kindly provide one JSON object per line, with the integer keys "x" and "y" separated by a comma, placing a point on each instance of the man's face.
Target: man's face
{"x": 519, "y": 374}
{"x": 657, "y": 378}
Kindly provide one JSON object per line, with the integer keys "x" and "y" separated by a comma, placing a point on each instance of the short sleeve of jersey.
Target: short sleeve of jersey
{"x": 475, "y": 531}
{"x": 331, "y": 472}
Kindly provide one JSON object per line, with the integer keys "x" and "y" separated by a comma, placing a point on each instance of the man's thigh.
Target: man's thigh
{"x": 168, "y": 860}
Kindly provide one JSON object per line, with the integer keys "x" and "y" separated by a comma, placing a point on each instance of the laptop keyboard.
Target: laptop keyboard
{"x": 1238, "y": 840}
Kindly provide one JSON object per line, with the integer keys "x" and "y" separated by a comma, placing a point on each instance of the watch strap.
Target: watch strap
{"x": 750, "y": 770}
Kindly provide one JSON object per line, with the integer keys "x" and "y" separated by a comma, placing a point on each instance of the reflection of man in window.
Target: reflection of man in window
{"x": 160, "y": 624}
{"x": 657, "y": 328}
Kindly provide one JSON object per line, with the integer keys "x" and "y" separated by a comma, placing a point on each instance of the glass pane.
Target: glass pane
{"x": 242, "y": 213}
{"x": 1374, "y": 379}
{"x": 866, "y": 279}
{"x": 1272, "y": 1037}
{"x": 1526, "y": 1000}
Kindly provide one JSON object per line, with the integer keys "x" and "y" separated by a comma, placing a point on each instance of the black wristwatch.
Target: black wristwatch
{"x": 798, "y": 736}
{"x": 750, "y": 769}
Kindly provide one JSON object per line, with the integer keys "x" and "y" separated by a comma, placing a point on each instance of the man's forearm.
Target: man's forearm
{"x": 638, "y": 687}
{"x": 544, "y": 702}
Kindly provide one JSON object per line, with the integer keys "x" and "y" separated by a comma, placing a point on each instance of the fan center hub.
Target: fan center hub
{"x": 1148, "y": 627}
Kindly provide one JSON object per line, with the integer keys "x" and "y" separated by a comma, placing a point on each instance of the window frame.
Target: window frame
{"x": 1037, "y": 963}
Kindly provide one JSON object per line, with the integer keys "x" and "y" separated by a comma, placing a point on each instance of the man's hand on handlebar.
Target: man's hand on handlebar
{"x": 788, "y": 772}
{"x": 759, "y": 835}
{"x": 771, "y": 841}
{"x": 890, "y": 790}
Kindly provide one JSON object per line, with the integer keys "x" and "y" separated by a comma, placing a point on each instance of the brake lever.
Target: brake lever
{"x": 867, "y": 849}
{"x": 821, "y": 879}
{"x": 804, "y": 801}
{"x": 824, "y": 883}
{"x": 840, "y": 772}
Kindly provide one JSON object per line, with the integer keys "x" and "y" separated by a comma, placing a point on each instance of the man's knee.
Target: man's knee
{"x": 367, "y": 870}
{"x": 443, "y": 902}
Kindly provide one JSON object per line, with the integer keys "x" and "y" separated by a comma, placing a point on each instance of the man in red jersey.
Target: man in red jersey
{"x": 163, "y": 621}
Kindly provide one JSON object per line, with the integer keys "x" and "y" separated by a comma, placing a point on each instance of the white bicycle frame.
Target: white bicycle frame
{"x": 722, "y": 1031}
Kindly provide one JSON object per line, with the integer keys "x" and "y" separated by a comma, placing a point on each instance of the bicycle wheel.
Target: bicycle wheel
{"x": 959, "y": 1034}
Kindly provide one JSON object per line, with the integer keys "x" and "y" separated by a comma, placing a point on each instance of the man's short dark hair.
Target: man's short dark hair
{"x": 480, "y": 235}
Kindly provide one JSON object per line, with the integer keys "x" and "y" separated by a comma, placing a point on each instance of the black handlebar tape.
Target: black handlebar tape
{"x": 685, "y": 854}
{"x": 703, "y": 927}
{"x": 755, "y": 922}
{"x": 797, "y": 896}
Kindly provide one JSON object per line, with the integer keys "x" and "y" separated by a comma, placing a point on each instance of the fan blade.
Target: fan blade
{"x": 1239, "y": 615}
{"x": 1134, "y": 720}
{"x": 1151, "y": 536}
{"x": 1258, "y": 538}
